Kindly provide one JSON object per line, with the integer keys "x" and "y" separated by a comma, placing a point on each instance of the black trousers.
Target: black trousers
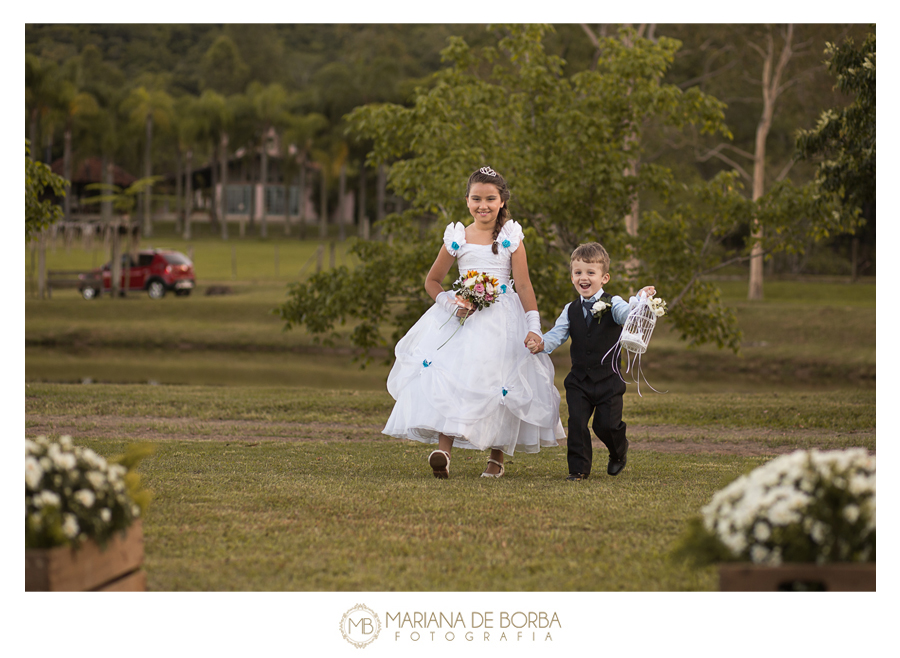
{"x": 603, "y": 401}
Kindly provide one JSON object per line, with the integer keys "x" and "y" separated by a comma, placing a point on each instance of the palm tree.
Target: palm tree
{"x": 299, "y": 133}
{"x": 332, "y": 159}
{"x": 269, "y": 103}
{"x": 78, "y": 105}
{"x": 211, "y": 118}
{"x": 40, "y": 94}
{"x": 181, "y": 138}
{"x": 146, "y": 108}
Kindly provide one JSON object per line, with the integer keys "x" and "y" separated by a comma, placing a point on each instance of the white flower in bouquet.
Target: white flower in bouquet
{"x": 808, "y": 506}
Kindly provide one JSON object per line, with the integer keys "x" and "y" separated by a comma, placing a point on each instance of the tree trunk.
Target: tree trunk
{"x": 213, "y": 189}
{"x": 42, "y": 264}
{"x": 301, "y": 199}
{"x": 323, "y": 205}
{"x": 771, "y": 83}
{"x": 179, "y": 201}
{"x": 148, "y": 171}
{"x": 32, "y": 134}
{"x": 107, "y": 173}
{"x": 115, "y": 263}
{"x": 363, "y": 217}
{"x": 188, "y": 193}
{"x": 380, "y": 190}
{"x": 223, "y": 161}
{"x": 251, "y": 211}
{"x": 342, "y": 202}
{"x": 67, "y": 174}
{"x": 287, "y": 201}
{"x": 263, "y": 180}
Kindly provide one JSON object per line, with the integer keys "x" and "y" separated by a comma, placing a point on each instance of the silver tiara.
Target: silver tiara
{"x": 487, "y": 171}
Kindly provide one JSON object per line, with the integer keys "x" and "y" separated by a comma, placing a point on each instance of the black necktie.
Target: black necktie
{"x": 587, "y": 305}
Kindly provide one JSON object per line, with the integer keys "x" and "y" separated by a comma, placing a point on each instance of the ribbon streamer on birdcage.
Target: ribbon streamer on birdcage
{"x": 634, "y": 339}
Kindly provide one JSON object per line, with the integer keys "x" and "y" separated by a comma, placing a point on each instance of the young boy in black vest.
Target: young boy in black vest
{"x": 594, "y": 323}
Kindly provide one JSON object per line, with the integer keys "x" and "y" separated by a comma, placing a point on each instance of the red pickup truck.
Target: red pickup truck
{"x": 157, "y": 271}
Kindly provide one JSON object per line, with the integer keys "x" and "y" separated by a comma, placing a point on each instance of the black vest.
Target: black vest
{"x": 590, "y": 343}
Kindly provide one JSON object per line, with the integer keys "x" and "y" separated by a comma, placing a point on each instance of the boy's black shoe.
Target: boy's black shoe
{"x": 615, "y": 466}
{"x": 577, "y": 477}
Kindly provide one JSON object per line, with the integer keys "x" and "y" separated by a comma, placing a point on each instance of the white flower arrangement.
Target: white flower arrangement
{"x": 658, "y": 306}
{"x": 808, "y": 506}
{"x": 73, "y": 494}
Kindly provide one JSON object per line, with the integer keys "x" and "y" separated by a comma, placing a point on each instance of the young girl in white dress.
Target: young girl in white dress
{"x": 481, "y": 387}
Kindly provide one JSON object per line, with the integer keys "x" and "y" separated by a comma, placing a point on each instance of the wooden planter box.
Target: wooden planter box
{"x": 114, "y": 569}
{"x": 842, "y": 577}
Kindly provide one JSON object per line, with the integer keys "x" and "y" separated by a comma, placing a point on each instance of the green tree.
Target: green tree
{"x": 223, "y": 69}
{"x": 564, "y": 142}
{"x": 843, "y": 141}
{"x": 40, "y": 211}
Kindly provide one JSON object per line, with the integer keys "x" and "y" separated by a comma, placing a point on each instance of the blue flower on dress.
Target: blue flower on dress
{"x": 503, "y": 288}
{"x": 505, "y": 244}
{"x": 455, "y": 245}
{"x": 426, "y": 363}
{"x": 505, "y": 392}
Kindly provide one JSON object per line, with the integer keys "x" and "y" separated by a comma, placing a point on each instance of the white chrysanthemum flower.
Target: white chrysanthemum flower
{"x": 85, "y": 496}
{"x": 70, "y": 526}
{"x": 47, "y": 499}
{"x": 66, "y": 442}
{"x": 761, "y": 531}
{"x": 759, "y": 554}
{"x": 105, "y": 515}
{"x": 33, "y": 473}
{"x": 97, "y": 480}
{"x": 851, "y": 513}
{"x": 818, "y": 531}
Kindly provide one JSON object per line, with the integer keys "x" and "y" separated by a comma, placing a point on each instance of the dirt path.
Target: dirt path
{"x": 658, "y": 438}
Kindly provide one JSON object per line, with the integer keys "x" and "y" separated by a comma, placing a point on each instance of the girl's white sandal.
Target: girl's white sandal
{"x": 494, "y": 475}
{"x": 439, "y": 460}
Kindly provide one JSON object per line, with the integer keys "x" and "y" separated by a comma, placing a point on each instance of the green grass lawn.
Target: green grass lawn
{"x": 263, "y": 488}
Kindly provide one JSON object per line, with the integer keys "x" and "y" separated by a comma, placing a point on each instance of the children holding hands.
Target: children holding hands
{"x": 593, "y": 322}
{"x": 476, "y": 385}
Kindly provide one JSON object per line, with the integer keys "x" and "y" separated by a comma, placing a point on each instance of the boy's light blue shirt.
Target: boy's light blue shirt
{"x": 559, "y": 334}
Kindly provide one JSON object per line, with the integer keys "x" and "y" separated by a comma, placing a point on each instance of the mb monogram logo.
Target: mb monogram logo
{"x": 360, "y": 626}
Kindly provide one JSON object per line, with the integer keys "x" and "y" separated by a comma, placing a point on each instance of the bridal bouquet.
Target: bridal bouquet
{"x": 479, "y": 288}
{"x": 73, "y": 494}
{"x": 808, "y": 506}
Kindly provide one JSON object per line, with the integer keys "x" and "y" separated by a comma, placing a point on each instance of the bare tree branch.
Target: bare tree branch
{"x": 591, "y": 35}
{"x": 709, "y": 75}
{"x": 784, "y": 171}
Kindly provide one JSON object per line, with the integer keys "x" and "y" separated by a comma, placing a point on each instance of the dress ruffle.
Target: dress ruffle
{"x": 454, "y": 237}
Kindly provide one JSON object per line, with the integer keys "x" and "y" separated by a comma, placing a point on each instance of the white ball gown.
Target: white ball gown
{"x": 480, "y": 386}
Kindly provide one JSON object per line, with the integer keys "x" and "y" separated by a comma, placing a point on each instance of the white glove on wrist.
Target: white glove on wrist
{"x": 447, "y": 301}
{"x": 533, "y": 322}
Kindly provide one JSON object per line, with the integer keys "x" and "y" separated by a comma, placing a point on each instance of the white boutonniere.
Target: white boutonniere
{"x": 599, "y": 308}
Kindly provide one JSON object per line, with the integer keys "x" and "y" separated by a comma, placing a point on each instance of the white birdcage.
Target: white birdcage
{"x": 638, "y": 326}
{"x": 635, "y": 338}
